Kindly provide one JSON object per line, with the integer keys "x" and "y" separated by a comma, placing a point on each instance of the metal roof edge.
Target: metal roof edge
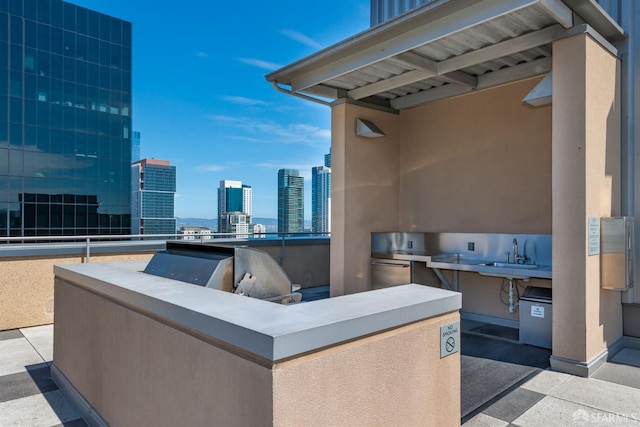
{"x": 413, "y": 18}
{"x": 588, "y": 29}
{"x": 597, "y": 17}
{"x": 365, "y": 105}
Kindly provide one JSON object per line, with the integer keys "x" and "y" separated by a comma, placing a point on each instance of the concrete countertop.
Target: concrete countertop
{"x": 269, "y": 330}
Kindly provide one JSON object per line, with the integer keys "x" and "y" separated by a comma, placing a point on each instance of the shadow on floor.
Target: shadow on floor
{"x": 491, "y": 367}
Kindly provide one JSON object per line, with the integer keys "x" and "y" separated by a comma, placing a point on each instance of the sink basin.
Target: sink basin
{"x": 508, "y": 265}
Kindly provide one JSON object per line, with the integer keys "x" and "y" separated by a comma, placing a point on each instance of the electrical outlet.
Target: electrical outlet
{"x": 409, "y": 244}
{"x": 471, "y": 246}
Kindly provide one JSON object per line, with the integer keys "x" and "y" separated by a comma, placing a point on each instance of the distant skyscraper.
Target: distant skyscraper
{"x": 327, "y": 159}
{"x": 290, "y": 201}
{"x": 135, "y": 146}
{"x": 65, "y": 125}
{"x": 153, "y": 189}
{"x": 235, "y": 207}
{"x": 320, "y": 199}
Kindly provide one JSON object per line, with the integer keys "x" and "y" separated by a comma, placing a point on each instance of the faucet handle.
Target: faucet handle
{"x": 508, "y": 255}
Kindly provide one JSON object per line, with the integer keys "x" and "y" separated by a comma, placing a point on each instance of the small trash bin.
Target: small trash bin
{"x": 535, "y": 316}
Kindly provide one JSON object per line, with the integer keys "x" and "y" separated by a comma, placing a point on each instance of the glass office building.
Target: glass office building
{"x": 290, "y": 201}
{"x": 153, "y": 185}
{"x": 65, "y": 120}
{"x": 321, "y": 199}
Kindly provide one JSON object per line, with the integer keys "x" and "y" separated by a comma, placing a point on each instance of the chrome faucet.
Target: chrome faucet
{"x": 517, "y": 258}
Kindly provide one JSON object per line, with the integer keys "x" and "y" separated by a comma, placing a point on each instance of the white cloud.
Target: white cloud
{"x": 241, "y": 100}
{"x": 212, "y": 168}
{"x": 265, "y": 65}
{"x": 275, "y": 133}
{"x": 303, "y": 168}
{"x": 299, "y": 37}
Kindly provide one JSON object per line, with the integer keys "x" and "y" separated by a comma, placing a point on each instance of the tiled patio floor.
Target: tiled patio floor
{"x": 28, "y": 396}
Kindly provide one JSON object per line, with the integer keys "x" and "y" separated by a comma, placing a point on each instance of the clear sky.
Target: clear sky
{"x": 200, "y": 99}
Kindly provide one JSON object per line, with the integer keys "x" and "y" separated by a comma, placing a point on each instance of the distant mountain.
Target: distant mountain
{"x": 197, "y": 222}
{"x": 211, "y": 223}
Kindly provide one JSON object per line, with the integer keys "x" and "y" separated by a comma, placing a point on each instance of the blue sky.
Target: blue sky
{"x": 200, "y": 99}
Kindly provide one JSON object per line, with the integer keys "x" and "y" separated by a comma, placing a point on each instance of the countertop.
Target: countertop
{"x": 465, "y": 263}
{"x": 267, "y": 329}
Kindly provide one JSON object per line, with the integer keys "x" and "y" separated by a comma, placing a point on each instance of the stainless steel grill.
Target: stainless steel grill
{"x": 243, "y": 270}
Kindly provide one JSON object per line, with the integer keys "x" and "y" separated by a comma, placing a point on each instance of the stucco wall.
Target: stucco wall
{"x": 364, "y": 193}
{"x": 475, "y": 163}
{"x": 26, "y": 287}
{"x": 26, "y": 283}
{"x": 478, "y": 163}
{"x": 586, "y": 159}
{"x": 135, "y": 370}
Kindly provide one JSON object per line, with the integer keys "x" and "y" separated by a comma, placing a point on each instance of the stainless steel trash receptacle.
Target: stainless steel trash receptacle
{"x": 535, "y": 316}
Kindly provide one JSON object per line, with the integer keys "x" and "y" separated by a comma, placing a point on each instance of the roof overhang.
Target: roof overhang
{"x": 442, "y": 49}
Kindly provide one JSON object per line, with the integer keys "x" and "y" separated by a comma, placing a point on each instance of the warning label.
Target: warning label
{"x": 449, "y": 339}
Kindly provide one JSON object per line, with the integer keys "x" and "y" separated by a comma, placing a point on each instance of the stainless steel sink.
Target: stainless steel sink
{"x": 509, "y": 265}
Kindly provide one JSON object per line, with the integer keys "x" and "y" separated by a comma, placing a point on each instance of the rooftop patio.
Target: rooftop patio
{"x": 529, "y": 395}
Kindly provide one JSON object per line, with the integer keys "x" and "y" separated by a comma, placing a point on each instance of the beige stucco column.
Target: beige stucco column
{"x": 587, "y": 321}
{"x": 364, "y": 192}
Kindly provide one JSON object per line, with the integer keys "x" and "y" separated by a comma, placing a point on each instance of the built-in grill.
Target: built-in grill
{"x": 240, "y": 269}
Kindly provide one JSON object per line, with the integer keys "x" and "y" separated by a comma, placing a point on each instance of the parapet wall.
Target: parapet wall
{"x": 128, "y": 353}
{"x": 26, "y": 282}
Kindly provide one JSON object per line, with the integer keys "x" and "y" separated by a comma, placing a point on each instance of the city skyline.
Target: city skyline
{"x": 200, "y": 98}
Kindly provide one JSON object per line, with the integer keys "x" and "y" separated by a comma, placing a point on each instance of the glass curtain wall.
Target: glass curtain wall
{"x": 65, "y": 120}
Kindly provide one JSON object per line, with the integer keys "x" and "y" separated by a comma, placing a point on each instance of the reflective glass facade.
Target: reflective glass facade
{"x": 290, "y": 201}
{"x": 65, "y": 120}
{"x": 153, "y": 195}
{"x": 320, "y": 199}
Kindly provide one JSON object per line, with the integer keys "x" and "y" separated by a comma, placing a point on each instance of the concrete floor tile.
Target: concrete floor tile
{"x": 41, "y": 338}
{"x": 619, "y": 374}
{"x": 16, "y": 355}
{"x": 545, "y": 381}
{"x": 600, "y": 395}
{"x": 75, "y": 423}
{"x": 483, "y": 420}
{"x": 23, "y": 384}
{"x": 44, "y": 410}
{"x": 552, "y": 411}
{"x": 627, "y": 356}
{"x": 10, "y": 334}
{"x": 513, "y": 404}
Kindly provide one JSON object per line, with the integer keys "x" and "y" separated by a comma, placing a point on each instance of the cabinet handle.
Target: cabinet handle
{"x": 389, "y": 264}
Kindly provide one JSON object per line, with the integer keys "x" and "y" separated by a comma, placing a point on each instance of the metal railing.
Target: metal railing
{"x": 104, "y": 243}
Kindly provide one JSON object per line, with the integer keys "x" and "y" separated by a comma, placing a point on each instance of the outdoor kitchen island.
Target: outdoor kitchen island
{"x": 132, "y": 348}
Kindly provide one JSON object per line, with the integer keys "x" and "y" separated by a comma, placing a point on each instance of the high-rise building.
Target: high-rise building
{"x": 65, "y": 120}
{"x": 235, "y": 207}
{"x": 135, "y": 146}
{"x": 153, "y": 189}
{"x": 290, "y": 201}
{"x": 327, "y": 159}
{"x": 321, "y": 199}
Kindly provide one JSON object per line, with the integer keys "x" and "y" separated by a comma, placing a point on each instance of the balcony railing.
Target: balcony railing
{"x": 27, "y": 263}
{"x": 86, "y": 245}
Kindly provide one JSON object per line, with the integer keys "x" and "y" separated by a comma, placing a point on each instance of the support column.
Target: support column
{"x": 587, "y": 321}
{"x": 364, "y": 192}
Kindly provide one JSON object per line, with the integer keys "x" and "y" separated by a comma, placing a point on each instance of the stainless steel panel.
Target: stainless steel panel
{"x": 386, "y": 273}
{"x": 536, "y": 317}
{"x": 616, "y": 253}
